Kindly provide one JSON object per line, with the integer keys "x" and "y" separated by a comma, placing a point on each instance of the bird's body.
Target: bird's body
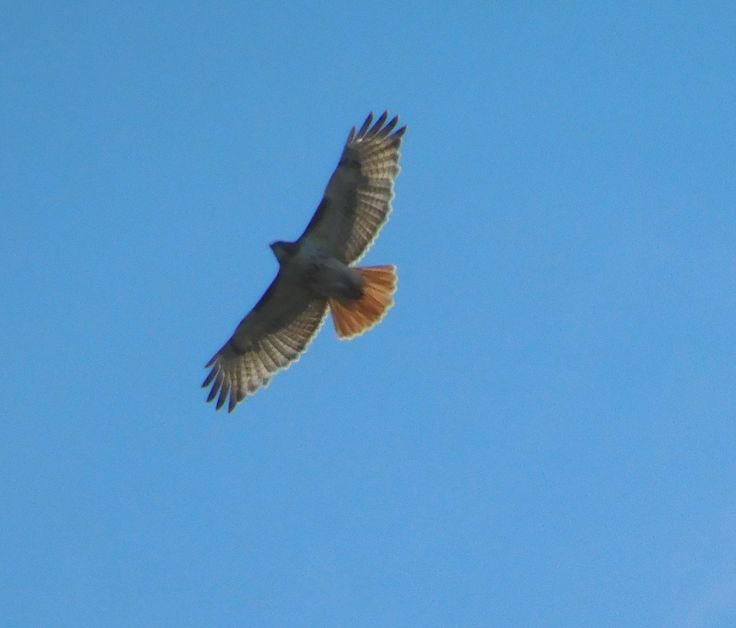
{"x": 323, "y": 274}
{"x": 316, "y": 272}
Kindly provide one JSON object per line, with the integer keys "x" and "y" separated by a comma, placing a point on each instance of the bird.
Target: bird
{"x": 317, "y": 272}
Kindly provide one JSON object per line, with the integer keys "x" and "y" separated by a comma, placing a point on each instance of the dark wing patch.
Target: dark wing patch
{"x": 269, "y": 339}
{"x": 357, "y": 200}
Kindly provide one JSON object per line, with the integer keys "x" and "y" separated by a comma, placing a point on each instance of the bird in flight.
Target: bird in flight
{"x": 316, "y": 272}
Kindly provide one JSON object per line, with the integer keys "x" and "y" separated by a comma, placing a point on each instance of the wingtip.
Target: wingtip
{"x": 379, "y": 128}
{"x": 351, "y": 135}
{"x": 378, "y": 123}
{"x": 223, "y": 395}
{"x": 366, "y": 124}
{"x": 389, "y": 126}
{"x": 208, "y": 380}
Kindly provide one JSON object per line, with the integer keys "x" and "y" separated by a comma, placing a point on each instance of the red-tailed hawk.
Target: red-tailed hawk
{"x": 315, "y": 272}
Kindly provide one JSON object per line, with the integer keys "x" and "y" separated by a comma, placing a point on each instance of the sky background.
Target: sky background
{"x": 541, "y": 432}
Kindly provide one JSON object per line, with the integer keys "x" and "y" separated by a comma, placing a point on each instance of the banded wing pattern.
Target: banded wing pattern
{"x": 255, "y": 353}
{"x": 357, "y": 200}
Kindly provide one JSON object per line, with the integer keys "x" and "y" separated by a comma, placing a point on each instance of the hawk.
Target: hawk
{"x": 316, "y": 272}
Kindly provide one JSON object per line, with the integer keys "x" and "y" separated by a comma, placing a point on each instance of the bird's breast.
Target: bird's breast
{"x": 326, "y": 276}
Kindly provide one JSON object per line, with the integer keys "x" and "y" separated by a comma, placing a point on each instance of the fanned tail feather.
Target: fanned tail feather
{"x": 352, "y": 318}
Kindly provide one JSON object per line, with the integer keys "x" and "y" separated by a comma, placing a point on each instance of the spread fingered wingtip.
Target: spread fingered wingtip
{"x": 223, "y": 395}
{"x": 366, "y": 125}
{"x": 379, "y": 129}
{"x": 210, "y": 376}
{"x": 378, "y": 124}
{"x": 390, "y": 126}
{"x": 215, "y": 387}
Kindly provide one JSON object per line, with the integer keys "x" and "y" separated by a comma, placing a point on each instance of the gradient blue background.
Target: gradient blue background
{"x": 541, "y": 433}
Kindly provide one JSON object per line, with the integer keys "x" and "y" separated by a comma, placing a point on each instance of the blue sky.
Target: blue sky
{"x": 542, "y": 430}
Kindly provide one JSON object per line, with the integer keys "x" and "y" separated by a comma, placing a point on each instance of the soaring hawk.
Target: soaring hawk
{"x": 316, "y": 272}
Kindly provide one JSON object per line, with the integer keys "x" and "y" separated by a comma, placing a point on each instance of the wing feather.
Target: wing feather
{"x": 269, "y": 339}
{"x": 357, "y": 200}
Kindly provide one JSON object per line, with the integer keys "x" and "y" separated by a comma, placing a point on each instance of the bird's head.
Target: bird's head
{"x": 283, "y": 250}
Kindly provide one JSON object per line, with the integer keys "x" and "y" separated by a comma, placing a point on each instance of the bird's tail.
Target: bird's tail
{"x": 352, "y": 318}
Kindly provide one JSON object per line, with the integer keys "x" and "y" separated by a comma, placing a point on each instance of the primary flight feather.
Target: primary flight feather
{"x": 315, "y": 272}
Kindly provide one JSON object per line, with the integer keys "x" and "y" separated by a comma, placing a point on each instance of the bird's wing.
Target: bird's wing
{"x": 271, "y": 337}
{"x": 358, "y": 197}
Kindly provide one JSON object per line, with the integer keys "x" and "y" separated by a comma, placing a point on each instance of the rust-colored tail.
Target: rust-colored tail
{"x": 352, "y": 318}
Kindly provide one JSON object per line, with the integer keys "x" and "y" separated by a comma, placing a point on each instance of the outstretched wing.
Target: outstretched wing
{"x": 270, "y": 338}
{"x": 358, "y": 197}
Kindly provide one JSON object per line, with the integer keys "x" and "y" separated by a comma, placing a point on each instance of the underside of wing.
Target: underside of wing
{"x": 357, "y": 200}
{"x": 269, "y": 339}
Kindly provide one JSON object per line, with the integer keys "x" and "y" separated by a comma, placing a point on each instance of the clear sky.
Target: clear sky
{"x": 541, "y": 432}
